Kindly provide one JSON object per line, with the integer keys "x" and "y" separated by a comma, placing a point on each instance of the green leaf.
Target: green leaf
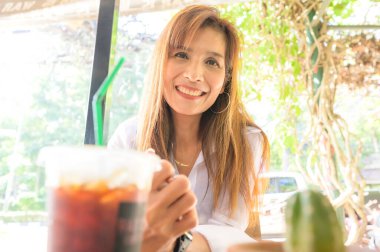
{"x": 297, "y": 110}
{"x": 259, "y": 96}
{"x": 296, "y": 68}
{"x": 289, "y": 142}
{"x": 339, "y": 8}
{"x": 272, "y": 59}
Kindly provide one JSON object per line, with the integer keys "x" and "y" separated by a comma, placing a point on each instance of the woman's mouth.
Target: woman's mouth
{"x": 191, "y": 92}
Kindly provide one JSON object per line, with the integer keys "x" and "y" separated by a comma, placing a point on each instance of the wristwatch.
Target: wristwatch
{"x": 183, "y": 242}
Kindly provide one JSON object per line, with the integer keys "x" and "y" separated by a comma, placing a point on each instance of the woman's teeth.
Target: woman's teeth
{"x": 189, "y": 92}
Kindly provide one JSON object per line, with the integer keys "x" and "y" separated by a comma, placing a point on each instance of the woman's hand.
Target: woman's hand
{"x": 170, "y": 210}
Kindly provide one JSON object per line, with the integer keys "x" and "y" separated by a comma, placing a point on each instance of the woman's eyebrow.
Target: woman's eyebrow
{"x": 181, "y": 47}
{"x": 215, "y": 54}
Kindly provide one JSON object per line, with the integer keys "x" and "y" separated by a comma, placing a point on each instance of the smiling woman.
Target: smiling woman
{"x": 193, "y": 116}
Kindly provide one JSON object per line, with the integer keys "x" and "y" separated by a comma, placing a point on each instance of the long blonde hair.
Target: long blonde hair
{"x": 225, "y": 147}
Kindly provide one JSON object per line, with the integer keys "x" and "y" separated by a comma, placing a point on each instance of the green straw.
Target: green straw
{"x": 97, "y": 108}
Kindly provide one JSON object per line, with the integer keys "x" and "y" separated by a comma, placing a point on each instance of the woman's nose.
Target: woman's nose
{"x": 194, "y": 72}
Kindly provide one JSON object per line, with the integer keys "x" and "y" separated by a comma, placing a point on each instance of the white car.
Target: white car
{"x": 281, "y": 186}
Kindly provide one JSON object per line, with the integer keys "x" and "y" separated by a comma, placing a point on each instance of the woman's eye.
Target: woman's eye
{"x": 212, "y": 62}
{"x": 181, "y": 55}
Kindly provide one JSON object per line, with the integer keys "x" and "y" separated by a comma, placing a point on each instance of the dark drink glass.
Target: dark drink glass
{"x": 96, "y": 198}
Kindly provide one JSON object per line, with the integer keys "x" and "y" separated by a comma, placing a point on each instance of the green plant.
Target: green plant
{"x": 312, "y": 224}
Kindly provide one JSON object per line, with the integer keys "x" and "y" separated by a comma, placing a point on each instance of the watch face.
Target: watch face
{"x": 188, "y": 236}
{"x": 183, "y": 242}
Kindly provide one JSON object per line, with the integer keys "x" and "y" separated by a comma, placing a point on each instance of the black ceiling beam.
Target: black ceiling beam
{"x": 107, "y": 18}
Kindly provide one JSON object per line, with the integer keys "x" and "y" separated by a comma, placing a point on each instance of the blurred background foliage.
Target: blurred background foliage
{"x": 308, "y": 132}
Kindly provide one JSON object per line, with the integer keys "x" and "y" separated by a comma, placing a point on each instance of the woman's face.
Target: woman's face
{"x": 194, "y": 76}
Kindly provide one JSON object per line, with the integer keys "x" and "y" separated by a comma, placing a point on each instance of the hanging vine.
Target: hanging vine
{"x": 332, "y": 152}
{"x": 291, "y": 39}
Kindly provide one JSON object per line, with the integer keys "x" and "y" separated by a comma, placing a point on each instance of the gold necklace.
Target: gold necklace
{"x": 180, "y": 164}
{"x": 176, "y": 161}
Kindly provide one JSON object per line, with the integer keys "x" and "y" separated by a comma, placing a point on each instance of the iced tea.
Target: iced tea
{"x": 97, "y": 197}
{"x": 95, "y": 218}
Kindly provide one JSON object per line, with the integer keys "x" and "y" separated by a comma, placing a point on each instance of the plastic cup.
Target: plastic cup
{"x": 96, "y": 197}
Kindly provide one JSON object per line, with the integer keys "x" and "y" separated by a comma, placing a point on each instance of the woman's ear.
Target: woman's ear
{"x": 227, "y": 80}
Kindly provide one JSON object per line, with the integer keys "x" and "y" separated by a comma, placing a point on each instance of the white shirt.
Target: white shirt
{"x": 220, "y": 230}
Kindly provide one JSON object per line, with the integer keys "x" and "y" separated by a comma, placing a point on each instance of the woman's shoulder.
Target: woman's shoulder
{"x": 124, "y": 135}
{"x": 129, "y": 124}
{"x": 253, "y": 130}
{"x": 255, "y": 136}
{"x": 256, "y": 139}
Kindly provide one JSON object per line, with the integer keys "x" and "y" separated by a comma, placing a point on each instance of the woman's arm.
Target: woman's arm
{"x": 199, "y": 244}
{"x": 219, "y": 228}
